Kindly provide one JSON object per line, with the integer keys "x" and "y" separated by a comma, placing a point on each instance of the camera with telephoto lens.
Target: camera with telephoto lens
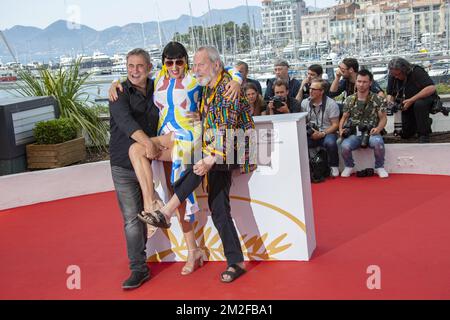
{"x": 365, "y": 129}
{"x": 278, "y": 101}
{"x": 394, "y": 106}
{"x": 309, "y": 128}
{"x": 437, "y": 106}
{"x": 348, "y": 129}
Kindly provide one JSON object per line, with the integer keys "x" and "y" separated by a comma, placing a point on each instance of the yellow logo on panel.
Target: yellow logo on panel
{"x": 254, "y": 247}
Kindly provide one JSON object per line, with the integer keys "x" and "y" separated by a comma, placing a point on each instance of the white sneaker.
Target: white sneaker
{"x": 347, "y": 172}
{"x": 334, "y": 171}
{"x": 382, "y": 173}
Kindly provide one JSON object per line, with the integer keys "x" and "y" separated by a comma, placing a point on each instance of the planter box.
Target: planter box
{"x": 46, "y": 156}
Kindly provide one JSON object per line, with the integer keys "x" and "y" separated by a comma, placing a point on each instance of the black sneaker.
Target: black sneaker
{"x": 135, "y": 280}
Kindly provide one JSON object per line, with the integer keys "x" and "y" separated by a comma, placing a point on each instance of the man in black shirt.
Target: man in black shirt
{"x": 345, "y": 80}
{"x": 315, "y": 71}
{"x": 282, "y": 73}
{"x": 411, "y": 85}
{"x": 282, "y": 102}
{"x": 134, "y": 118}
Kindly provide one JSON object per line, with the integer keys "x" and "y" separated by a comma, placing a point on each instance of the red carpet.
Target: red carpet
{"x": 401, "y": 224}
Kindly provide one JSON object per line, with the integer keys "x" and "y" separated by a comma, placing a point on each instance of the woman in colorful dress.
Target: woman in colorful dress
{"x": 176, "y": 95}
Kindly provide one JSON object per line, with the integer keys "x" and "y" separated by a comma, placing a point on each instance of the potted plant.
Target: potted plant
{"x": 57, "y": 145}
{"x": 69, "y": 88}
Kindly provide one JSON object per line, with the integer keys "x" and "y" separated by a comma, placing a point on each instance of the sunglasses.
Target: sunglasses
{"x": 178, "y": 62}
{"x": 315, "y": 89}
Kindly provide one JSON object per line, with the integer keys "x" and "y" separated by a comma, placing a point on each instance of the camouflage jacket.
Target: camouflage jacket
{"x": 364, "y": 112}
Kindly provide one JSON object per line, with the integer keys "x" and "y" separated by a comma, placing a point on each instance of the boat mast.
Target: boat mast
{"x": 159, "y": 26}
{"x": 193, "y": 39}
{"x": 448, "y": 27}
{"x": 210, "y": 35}
{"x": 8, "y": 46}
{"x": 249, "y": 26}
{"x": 143, "y": 35}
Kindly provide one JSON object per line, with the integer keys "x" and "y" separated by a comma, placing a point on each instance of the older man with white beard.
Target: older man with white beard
{"x": 221, "y": 117}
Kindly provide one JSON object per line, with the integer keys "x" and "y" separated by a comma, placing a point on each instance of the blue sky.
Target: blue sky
{"x": 101, "y": 14}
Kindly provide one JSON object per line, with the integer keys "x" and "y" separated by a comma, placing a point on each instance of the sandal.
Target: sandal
{"x": 233, "y": 275}
{"x": 157, "y": 219}
{"x": 195, "y": 263}
{"x": 146, "y": 217}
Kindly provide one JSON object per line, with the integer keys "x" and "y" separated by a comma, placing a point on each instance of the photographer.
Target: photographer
{"x": 367, "y": 114}
{"x": 323, "y": 122}
{"x": 411, "y": 86}
{"x": 315, "y": 71}
{"x": 282, "y": 102}
{"x": 282, "y": 73}
{"x": 345, "y": 80}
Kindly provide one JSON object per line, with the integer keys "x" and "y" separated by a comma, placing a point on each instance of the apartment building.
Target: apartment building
{"x": 281, "y": 20}
{"x": 380, "y": 23}
{"x": 316, "y": 27}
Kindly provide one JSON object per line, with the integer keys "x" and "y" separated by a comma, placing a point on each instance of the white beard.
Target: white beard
{"x": 204, "y": 81}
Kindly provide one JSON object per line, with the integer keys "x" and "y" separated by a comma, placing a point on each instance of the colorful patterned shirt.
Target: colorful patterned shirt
{"x": 223, "y": 121}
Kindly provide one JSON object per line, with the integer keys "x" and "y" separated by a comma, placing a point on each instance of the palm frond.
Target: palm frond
{"x": 69, "y": 89}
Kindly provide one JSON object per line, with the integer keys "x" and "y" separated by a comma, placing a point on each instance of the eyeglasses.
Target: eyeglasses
{"x": 178, "y": 62}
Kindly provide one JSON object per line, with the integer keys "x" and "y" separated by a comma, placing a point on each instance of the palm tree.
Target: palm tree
{"x": 68, "y": 88}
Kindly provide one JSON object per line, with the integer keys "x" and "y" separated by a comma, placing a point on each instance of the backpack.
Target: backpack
{"x": 319, "y": 169}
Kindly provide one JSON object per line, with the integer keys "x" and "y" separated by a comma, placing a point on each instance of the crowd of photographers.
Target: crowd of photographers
{"x": 352, "y": 110}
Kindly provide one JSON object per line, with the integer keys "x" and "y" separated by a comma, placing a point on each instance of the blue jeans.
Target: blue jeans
{"x": 353, "y": 142}
{"x": 129, "y": 196}
{"x": 329, "y": 143}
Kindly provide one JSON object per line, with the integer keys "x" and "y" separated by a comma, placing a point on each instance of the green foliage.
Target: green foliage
{"x": 443, "y": 88}
{"x": 67, "y": 86}
{"x": 55, "y": 131}
{"x": 226, "y": 37}
{"x": 100, "y": 109}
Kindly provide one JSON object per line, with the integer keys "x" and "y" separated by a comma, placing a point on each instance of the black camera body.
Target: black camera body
{"x": 394, "y": 106}
{"x": 278, "y": 101}
{"x": 309, "y": 128}
{"x": 348, "y": 129}
{"x": 365, "y": 129}
{"x": 437, "y": 106}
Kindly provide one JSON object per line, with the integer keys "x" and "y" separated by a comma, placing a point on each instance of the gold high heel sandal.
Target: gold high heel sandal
{"x": 199, "y": 258}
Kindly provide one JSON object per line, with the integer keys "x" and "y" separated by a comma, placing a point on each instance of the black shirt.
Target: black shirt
{"x": 416, "y": 80}
{"x": 350, "y": 88}
{"x": 293, "y": 105}
{"x": 294, "y": 86}
{"x": 131, "y": 112}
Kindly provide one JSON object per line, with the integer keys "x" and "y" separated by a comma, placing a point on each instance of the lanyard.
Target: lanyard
{"x": 312, "y": 108}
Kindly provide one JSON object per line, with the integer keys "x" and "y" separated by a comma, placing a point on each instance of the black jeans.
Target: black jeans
{"x": 417, "y": 118}
{"x": 129, "y": 196}
{"x": 219, "y": 184}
